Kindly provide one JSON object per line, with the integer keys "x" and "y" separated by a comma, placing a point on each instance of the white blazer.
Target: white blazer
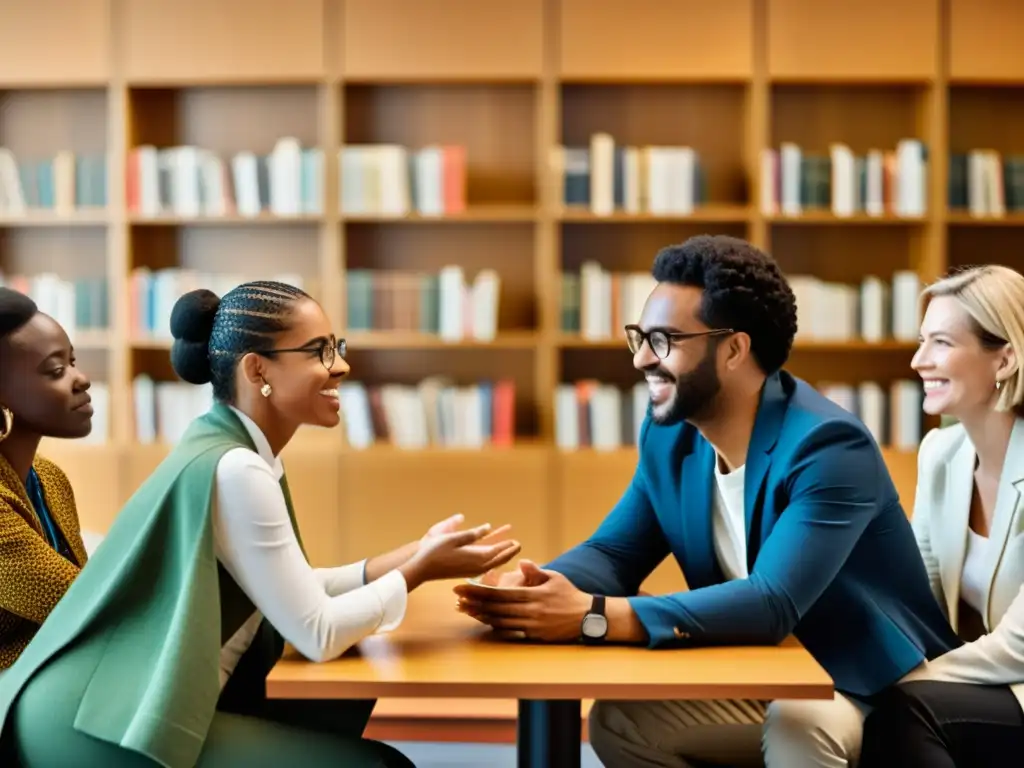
{"x": 945, "y": 486}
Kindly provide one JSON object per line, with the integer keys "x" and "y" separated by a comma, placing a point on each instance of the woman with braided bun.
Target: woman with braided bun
{"x": 158, "y": 653}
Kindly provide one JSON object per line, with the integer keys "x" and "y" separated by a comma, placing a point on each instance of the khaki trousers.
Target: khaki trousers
{"x": 739, "y": 733}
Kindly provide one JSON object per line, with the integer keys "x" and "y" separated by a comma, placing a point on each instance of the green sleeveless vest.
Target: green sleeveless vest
{"x": 155, "y": 600}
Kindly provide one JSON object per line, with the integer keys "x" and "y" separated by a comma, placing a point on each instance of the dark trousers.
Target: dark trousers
{"x": 926, "y": 724}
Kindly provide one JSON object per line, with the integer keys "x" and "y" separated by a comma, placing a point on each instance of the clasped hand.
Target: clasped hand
{"x": 542, "y": 605}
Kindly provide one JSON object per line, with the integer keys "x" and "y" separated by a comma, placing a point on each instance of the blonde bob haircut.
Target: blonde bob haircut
{"x": 993, "y": 297}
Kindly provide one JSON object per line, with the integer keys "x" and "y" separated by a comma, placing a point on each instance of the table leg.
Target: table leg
{"x": 549, "y": 734}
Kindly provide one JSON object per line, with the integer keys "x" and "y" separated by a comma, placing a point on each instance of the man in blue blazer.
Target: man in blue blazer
{"x": 776, "y": 504}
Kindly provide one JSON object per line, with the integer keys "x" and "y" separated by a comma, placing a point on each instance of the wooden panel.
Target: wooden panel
{"x": 93, "y": 471}
{"x": 589, "y": 484}
{"x": 656, "y": 40}
{"x": 442, "y": 39}
{"x": 903, "y": 469}
{"x": 207, "y": 41}
{"x": 985, "y": 40}
{"x": 315, "y": 484}
{"x": 54, "y": 41}
{"x": 869, "y": 40}
{"x": 391, "y": 497}
{"x": 138, "y": 465}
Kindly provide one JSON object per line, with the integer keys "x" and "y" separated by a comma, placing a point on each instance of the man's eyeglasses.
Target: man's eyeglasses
{"x": 328, "y": 350}
{"x": 661, "y": 341}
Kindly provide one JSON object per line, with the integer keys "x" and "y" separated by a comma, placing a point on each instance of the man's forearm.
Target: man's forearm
{"x": 389, "y": 561}
{"x": 623, "y": 625}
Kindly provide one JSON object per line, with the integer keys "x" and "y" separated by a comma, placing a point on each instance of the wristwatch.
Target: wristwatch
{"x": 595, "y": 623}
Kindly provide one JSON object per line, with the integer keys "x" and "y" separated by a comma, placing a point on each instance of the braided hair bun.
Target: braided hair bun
{"x": 191, "y": 327}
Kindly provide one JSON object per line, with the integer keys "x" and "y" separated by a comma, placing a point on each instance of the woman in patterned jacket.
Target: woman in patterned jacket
{"x": 42, "y": 394}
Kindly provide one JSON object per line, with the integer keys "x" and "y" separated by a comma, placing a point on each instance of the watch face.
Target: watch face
{"x": 595, "y": 625}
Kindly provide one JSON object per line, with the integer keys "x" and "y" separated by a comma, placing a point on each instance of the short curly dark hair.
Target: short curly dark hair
{"x": 744, "y": 289}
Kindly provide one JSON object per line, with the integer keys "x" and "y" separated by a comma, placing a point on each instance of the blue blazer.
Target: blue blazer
{"x": 831, "y": 554}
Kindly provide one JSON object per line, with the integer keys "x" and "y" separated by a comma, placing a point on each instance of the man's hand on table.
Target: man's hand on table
{"x": 543, "y": 605}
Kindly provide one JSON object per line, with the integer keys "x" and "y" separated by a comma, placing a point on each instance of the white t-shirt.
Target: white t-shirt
{"x": 730, "y": 529}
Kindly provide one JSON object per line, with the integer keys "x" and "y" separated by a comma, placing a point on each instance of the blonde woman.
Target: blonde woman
{"x": 966, "y": 708}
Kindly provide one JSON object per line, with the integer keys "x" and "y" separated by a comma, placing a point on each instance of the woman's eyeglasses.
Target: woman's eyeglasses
{"x": 328, "y": 350}
{"x": 661, "y": 341}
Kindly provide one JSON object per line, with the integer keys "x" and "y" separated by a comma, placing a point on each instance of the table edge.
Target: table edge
{"x": 376, "y": 689}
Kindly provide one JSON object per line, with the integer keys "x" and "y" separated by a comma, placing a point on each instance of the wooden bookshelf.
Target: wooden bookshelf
{"x": 509, "y": 81}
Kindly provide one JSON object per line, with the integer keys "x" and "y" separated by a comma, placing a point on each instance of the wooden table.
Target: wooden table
{"x": 439, "y": 653}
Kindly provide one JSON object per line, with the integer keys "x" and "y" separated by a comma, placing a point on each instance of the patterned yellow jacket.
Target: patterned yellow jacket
{"x": 33, "y": 576}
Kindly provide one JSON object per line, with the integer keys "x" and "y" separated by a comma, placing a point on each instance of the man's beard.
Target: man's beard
{"x": 695, "y": 393}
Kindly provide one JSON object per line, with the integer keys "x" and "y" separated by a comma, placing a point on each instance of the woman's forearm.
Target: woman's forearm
{"x": 389, "y": 561}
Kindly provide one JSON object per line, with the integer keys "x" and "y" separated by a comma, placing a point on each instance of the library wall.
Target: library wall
{"x": 475, "y": 192}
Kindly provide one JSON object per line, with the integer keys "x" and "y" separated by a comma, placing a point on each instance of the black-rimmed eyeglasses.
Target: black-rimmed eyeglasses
{"x": 661, "y": 341}
{"x": 328, "y": 350}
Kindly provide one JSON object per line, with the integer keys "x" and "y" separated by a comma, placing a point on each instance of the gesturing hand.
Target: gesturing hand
{"x": 448, "y": 525}
{"x": 543, "y": 605}
{"x": 458, "y": 554}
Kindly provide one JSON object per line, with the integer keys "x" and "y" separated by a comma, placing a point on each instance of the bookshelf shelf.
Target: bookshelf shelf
{"x": 370, "y": 340}
{"x": 964, "y": 219}
{"x": 707, "y": 214}
{"x": 98, "y": 218}
{"x": 421, "y": 141}
{"x": 227, "y": 220}
{"x": 820, "y": 217}
{"x": 477, "y": 214}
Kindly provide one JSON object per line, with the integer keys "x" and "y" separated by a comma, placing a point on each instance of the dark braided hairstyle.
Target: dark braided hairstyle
{"x": 744, "y": 289}
{"x": 211, "y": 334}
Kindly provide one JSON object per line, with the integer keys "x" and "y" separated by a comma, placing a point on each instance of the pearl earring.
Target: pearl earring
{"x": 265, "y": 390}
{"x": 999, "y": 385}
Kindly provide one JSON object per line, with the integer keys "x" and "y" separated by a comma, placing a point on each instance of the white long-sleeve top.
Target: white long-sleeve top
{"x": 320, "y": 611}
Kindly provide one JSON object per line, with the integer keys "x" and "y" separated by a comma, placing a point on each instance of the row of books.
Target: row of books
{"x": 985, "y": 183}
{"x": 603, "y": 416}
{"x": 598, "y": 415}
{"x": 392, "y": 180}
{"x": 152, "y": 294}
{"x": 873, "y": 311}
{"x": 597, "y": 303}
{"x": 892, "y": 414}
{"x": 606, "y": 177}
{"x": 879, "y": 183}
{"x": 79, "y": 304}
{"x": 436, "y": 412}
{"x": 64, "y": 183}
{"x": 446, "y": 303}
{"x": 440, "y": 413}
{"x": 193, "y": 181}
